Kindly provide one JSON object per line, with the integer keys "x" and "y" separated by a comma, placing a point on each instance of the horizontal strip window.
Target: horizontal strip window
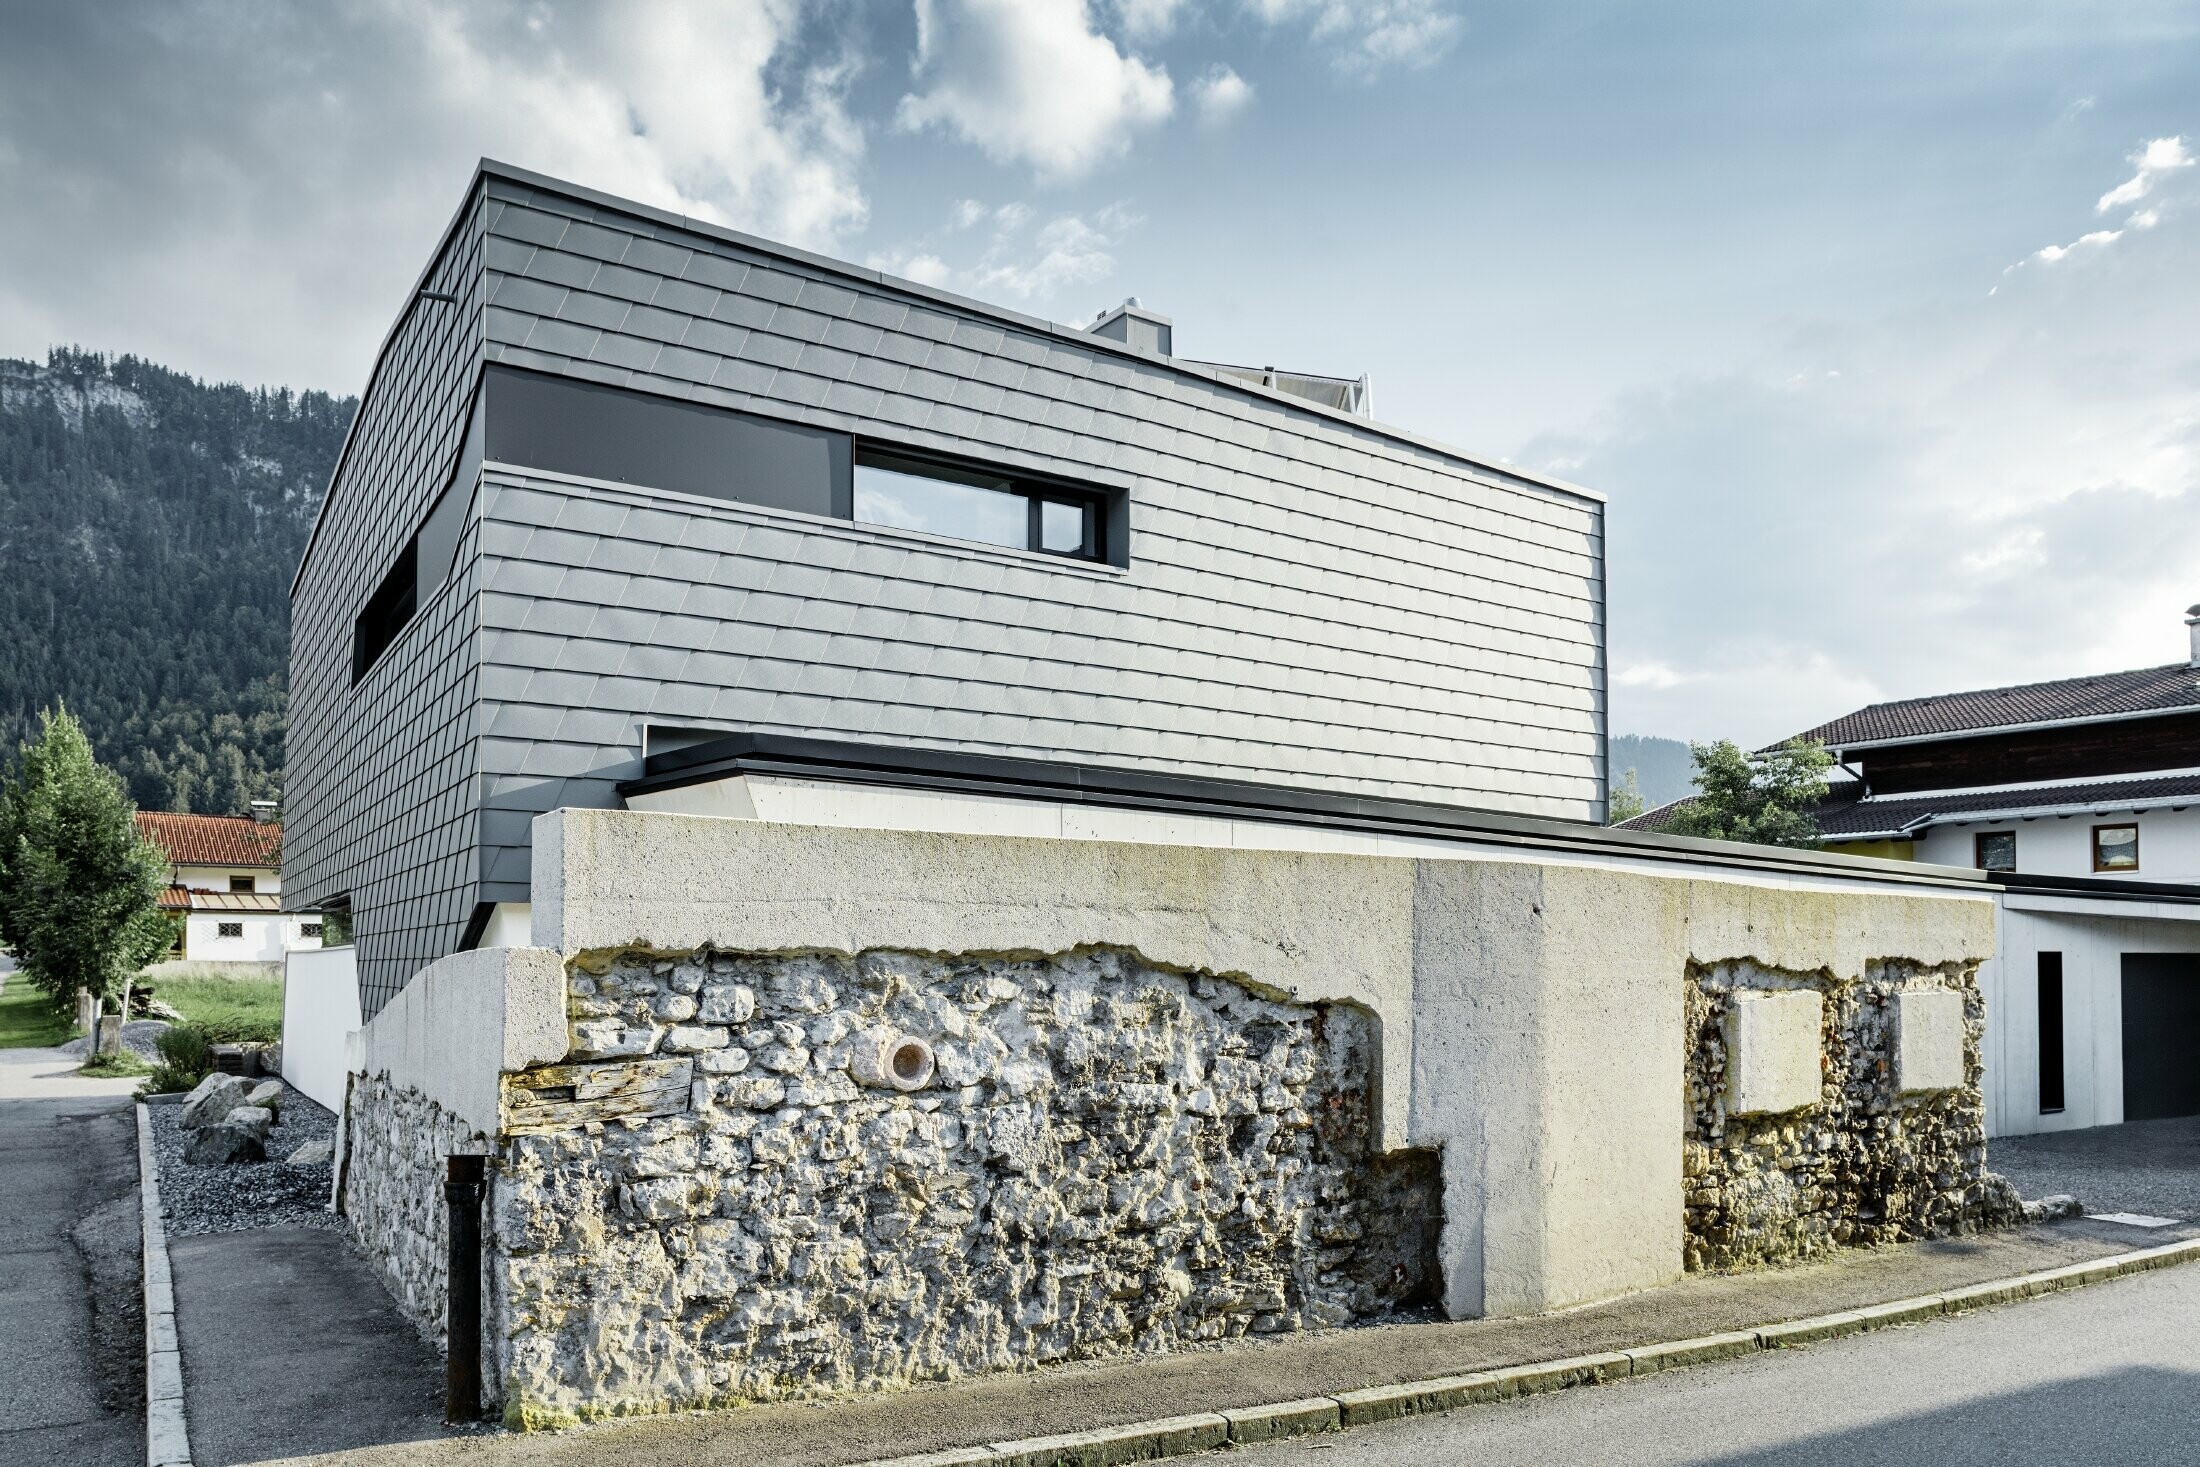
{"x": 963, "y": 502}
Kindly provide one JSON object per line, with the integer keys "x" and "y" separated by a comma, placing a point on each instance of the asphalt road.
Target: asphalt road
{"x": 72, "y": 1330}
{"x": 2109, "y": 1374}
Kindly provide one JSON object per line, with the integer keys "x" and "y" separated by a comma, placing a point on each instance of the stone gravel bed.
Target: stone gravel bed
{"x": 232, "y": 1198}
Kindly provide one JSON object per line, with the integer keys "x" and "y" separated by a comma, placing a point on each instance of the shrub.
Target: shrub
{"x": 185, "y": 1059}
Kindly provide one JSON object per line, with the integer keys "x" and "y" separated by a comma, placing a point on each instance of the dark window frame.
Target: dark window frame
{"x": 2130, "y": 825}
{"x": 338, "y": 926}
{"x": 1036, "y": 490}
{"x": 389, "y": 610}
{"x": 309, "y": 929}
{"x": 223, "y": 931}
{"x": 2053, "y": 1094}
{"x": 1978, "y": 849}
{"x": 248, "y": 886}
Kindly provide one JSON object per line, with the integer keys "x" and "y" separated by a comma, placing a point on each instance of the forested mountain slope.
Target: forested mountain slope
{"x": 149, "y": 527}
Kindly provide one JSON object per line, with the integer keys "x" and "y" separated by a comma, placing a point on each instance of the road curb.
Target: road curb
{"x": 167, "y": 1440}
{"x": 1147, "y": 1441}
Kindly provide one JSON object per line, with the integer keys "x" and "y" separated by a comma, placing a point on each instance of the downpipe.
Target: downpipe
{"x": 463, "y": 1186}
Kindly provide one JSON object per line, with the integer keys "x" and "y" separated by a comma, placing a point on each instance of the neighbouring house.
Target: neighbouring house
{"x": 2082, "y": 796}
{"x": 225, "y": 886}
{"x": 844, "y": 792}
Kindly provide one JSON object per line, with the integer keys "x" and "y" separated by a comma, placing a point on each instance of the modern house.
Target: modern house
{"x": 225, "y": 887}
{"x": 2083, "y": 795}
{"x": 636, "y": 505}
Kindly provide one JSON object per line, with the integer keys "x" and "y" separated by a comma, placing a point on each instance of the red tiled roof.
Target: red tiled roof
{"x": 175, "y": 899}
{"x": 213, "y": 840}
{"x": 2071, "y": 700}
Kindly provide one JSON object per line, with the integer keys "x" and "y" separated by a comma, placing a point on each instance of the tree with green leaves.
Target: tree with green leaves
{"x": 1769, "y": 797}
{"x": 1626, "y": 801}
{"x": 79, "y": 886}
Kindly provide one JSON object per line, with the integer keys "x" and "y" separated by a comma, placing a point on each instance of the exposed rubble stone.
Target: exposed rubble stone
{"x": 212, "y": 1098}
{"x": 1866, "y": 1164}
{"x": 1105, "y": 1157}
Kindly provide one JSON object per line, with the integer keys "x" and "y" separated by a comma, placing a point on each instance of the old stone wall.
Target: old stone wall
{"x": 727, "y": 1191}
{"x": 395, "y": 1141}
{"x": 1836, "y": 1134}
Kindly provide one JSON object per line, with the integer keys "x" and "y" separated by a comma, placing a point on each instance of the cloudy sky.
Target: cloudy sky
{"x": 1878, "y": 323}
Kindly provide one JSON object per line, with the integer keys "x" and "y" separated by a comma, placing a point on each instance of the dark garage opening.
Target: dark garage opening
{"x": 2161, "y": 1035}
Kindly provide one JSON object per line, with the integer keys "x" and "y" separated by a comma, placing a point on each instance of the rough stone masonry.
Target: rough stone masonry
{"x": 756, "y": 1177}
{"x": 1804, "y": 1131}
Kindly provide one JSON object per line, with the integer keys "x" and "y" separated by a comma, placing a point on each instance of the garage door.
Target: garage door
{"x": 2161, "y": 1035}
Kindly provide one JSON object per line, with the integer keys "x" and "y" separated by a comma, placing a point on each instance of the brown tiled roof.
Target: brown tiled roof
{"x": 183, "y": 899}
{"x": 213, "y": 840}
{"x": 2146, "y": 690}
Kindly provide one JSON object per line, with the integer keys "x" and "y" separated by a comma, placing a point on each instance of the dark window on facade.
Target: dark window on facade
{"x": 336, "y": 928}
{"x": 386, "y": 612}
{"x": 310, "y": 931}
{"x": 240, "y": 883}
{"x": 1995, "y": 850}
{"x": 229, "y": 929}
{"x": 2051, "y": 1032}
{"x": 966, "y": 503}
{"x": 2115, "y": 848}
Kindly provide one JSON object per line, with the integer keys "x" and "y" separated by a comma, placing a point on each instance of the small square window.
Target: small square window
{"x": 1995, "y": 850}
{"x": 1065, "y": 528}
{"x": 2115, "y": 848}
{"x": 229, "y": 929}
{"x": 310, "y": 931}
{"x": 240, "y": 883}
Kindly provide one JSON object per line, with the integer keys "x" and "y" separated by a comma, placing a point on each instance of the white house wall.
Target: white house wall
{"x": 2169, "y": 843}
{"x": 216, "y": 878}
{"x": 2092, "y": 947}
{"x": 266, "y": 937}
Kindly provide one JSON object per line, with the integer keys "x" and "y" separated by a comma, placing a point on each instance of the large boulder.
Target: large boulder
{"x": 213, "y": 1098}
{"x": 313, "y": 1153}
{"x": 254, "y": 1120}
{"x": 268, "y": 1094}
{"x": 223, "y": 1144}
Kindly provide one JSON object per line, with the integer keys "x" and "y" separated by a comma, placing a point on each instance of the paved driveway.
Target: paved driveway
{"x": 72, "y": 1353}
{"x": 2146, "y": 1167}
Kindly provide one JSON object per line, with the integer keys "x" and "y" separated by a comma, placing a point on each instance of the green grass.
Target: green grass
{"x": 111, "y": 1066}
{"x": 28, "y": 1019}
{"x": 230, "y": 1010}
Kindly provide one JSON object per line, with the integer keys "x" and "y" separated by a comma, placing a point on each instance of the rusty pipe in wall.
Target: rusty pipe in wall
{"x": 463, "y": 1186}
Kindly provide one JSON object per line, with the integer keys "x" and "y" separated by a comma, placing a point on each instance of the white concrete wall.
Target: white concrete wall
{"x": 1530, "y": 1009}
{"x": 465, "y": 1021}
{"x": 261, "y": 940}
{"x": 320, "y": 1012}
{"x": 216, "y": 878}
{"x": 2092, "y": 936}
{"x": 2062, "y": 845}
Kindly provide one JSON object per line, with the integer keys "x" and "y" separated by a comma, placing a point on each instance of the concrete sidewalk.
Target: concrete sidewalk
{"x": 1096, "y": 1394}
{"x": 291, "y": 1346}
{"x": 72, "y": 1352}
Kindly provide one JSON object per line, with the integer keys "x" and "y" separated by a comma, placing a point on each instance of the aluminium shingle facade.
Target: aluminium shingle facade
{"x": 1306, "y": 597}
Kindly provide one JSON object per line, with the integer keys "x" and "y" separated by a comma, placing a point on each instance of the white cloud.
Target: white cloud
{"x": 1148, "y": 19}
{"x": 968, "y": 212}
{"x": 1027, "y": 267}
{"x": 2154, "y": 161}
{"x": 294, "y": 208}
{"x": 1221, "y": 94}
{"x": 2098, "y": 239}
{"x": 1987, "y": 493}
{"x": 2161, "y": 156}
{"x": 1031, "y": 82}
{"x": 1366, "y": 37}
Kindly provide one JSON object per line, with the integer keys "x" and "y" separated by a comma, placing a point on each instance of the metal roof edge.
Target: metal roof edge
{"x": 1520, "y": 478}
{"x": 800, "y": 757}
{"x": 381, "y": 354}
{"x": 1986, "y": 730}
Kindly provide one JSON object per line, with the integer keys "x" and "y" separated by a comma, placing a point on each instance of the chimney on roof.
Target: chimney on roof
{"x": 2192, "y": 625}
{"x": 1134, "y": 325}
{"x": 264, "y": 811}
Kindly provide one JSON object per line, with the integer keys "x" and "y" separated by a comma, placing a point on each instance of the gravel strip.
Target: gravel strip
{"x": 267, "y": 1194}
{"x": 2141, "y": 1166}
